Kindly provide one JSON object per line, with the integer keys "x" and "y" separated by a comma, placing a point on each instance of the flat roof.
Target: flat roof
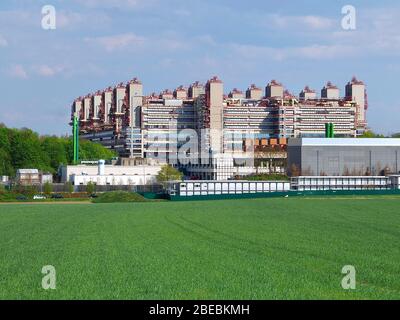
{"x": 355, "y": 142}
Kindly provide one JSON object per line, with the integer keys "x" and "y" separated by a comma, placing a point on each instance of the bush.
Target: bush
{"x": 167, "y": 174}
{"x": 47, "y": 188}
{"x": 7, "y": 196}
{"x": 28, "y": 191}
{"x": 90, "y": 188}
{"x": 119, "y": 196}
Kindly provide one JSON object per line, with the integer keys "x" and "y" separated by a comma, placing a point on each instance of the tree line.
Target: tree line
{"x": 24, "y": 148}
{"x": 371, "y": 134}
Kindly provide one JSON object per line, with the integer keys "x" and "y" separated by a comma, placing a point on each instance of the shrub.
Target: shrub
{"x": 47, "y": 188}
{"x": 167, "y": 174}
{"x": 90, "y": 188}
{"x": 119, "y": 196}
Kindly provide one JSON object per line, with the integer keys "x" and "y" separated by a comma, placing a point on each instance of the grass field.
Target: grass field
{"x": 236, "y": 249}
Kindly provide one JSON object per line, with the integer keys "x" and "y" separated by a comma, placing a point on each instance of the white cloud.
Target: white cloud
{"x": 316, "y": 51}
{"x": 131, "y": 41}
{"x": 119, "y": 4}
{"x": 71, "y": 20}
{"x": 47, "y": 71}
{"x": 296, "y": 23}
{"x": 18, "y": 71}
{"x": 117, "y": 42}
{"x": 3, "y": 41}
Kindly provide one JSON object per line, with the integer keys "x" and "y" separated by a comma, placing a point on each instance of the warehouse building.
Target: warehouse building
{"x": 28, "y": 177}
{"x": 343, "y": 157}
{"x": 113, "y": 175}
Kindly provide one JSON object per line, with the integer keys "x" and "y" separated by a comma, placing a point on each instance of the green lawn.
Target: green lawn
{"x": 286, "y": 248}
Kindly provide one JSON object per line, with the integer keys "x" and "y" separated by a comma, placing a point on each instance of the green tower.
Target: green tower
{"x": 329, "y": 130}
{"x": 75, "y": 133}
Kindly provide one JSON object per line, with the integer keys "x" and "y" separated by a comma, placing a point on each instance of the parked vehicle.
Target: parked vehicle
{"x": 93, "y": 196}
{"x": 39, "y": 197}
{"x": 57, "y": 196}
{"x": 21, "y": 198}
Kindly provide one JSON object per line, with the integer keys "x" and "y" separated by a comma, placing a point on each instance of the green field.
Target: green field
{"x": 279, "y": 248}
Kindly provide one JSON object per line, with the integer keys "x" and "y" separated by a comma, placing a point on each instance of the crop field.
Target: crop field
{"x": 282, "y": 248}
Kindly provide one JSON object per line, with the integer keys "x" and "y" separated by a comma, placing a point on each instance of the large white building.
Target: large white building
{"x": 113, "y": 175}
{"x": 139, "y": 126}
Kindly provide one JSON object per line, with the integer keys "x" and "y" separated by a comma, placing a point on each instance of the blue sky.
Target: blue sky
{"x": 166, "y": 43}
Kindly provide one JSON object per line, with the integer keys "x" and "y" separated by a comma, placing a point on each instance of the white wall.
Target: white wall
{"x": 113, "y": 180}
{"x": 68, "y": 172}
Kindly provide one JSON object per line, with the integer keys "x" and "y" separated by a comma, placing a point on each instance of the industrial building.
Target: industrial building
{"x": 29, "y": 177}
{"x": 343, "y": 156}
{"x": 155, "y": 126}
{"x": 111, "y": 175}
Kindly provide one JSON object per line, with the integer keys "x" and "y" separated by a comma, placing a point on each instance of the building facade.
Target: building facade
{"x": 158, "y": 125}
{"x": 337, "y": 157}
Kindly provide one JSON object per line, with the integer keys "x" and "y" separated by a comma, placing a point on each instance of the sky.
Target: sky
{"x": 166, "y": 43}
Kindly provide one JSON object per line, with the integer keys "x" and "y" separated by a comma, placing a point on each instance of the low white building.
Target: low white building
{"x": 109, "y": 174}
{"x": 4, "y": 179}
{"x": 207, "y": 187}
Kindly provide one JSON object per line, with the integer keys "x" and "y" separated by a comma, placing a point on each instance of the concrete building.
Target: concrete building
{"x": 29, "y": 177}
{"x": 134, "y": 92}
{"x": 196, "y": 89}
{"x": 254, "y": 93}
{"x": 181, "y": 93}
{"x": 109, "y": 174}
{"x": 162, "y": 120}
{"x": 343, "y": 156}
{"x": 355, "y": 91}
{"x": 236, "y": 94}
{"x": 4, "y": 179}
{"x": 213, "y": 113}
{"x": 274, "y": 89}
{"x": 307, "y": 94}
{"x": 330, "y": 91}
{"x": 150, "y": 127}
{"x": 312, "y": 115}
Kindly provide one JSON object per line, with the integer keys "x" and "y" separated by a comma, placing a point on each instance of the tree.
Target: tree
{"x": 26, "y": 149}
{"x": 6, "y": 167}
{"x": 94, "y": 151}
{"x": 167, "y": 174}
{"x": 90, "y": 188}
{"x": 396, "y": 135}
{"x": 371, "y": 134}
{"x": 54, "y": 148}
{"x": 48, "y": 188}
